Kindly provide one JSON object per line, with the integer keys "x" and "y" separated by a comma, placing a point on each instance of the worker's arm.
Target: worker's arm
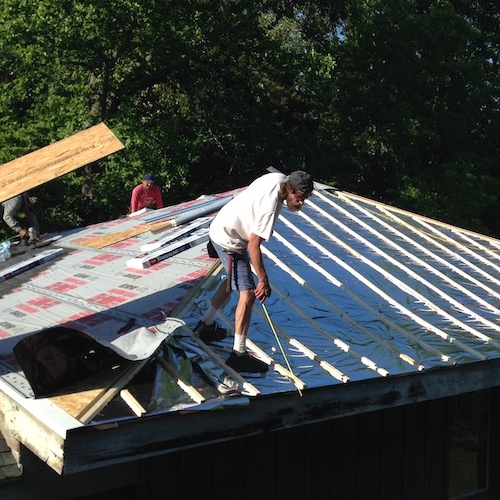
{"x": 134, "y": 201}
{"x": 263, "y": 289}
{"x": 11, "y": 208}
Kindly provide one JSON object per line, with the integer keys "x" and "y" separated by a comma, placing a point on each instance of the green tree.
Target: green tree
{"x": 394, "y": 100}
{"x": 204, "y": 94}
{"x": 414, "y": 107}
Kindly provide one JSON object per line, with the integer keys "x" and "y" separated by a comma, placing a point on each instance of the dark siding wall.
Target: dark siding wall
{"x": 494, "y": 455}
{"x": 435, "y": 451}
{"x": 395, "y": 450}
{"x": 395, "y": 454}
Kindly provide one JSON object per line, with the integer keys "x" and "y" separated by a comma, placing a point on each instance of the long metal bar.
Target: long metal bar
{"x": 264, "y": 308}
{"x": 264, "y": 356}
{"x": 249, "y": 388}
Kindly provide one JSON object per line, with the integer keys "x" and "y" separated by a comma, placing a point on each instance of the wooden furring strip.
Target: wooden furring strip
{"x": 132, "y": 402}
{"x": 189, "y": 389}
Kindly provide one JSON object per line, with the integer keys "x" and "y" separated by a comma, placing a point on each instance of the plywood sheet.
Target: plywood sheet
{"x": 85, "y": 399}
{"x": 54, "y": 160}
{"x": 101, "y": 241}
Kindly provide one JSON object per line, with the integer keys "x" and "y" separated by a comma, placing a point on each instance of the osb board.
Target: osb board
{"x": 84, "y": 400}
{"x": 54, "y": 160}
{"x": 101, "y": 241}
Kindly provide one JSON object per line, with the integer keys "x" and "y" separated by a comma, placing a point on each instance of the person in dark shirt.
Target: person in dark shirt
{"x": 28, "y": 229}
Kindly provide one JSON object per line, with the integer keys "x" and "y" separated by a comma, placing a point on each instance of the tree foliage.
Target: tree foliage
{"x": 393, "y": 100}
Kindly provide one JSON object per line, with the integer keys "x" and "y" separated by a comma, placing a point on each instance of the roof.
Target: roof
{"x": 365, "y": 296}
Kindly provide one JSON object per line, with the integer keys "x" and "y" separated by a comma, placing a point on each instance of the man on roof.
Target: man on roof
{"x": 27, "y": 227}
{"x": 237, "y": 233}
{"x": 146, "y": 195}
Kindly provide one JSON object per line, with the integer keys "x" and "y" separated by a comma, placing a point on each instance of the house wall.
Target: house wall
{"x": 400, "y": 453}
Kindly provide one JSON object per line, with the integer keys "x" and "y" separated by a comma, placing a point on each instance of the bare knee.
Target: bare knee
{"x": 248, "y": 297}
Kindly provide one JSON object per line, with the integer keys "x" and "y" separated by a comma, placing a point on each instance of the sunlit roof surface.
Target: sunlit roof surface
{"x": 361, "y": 290}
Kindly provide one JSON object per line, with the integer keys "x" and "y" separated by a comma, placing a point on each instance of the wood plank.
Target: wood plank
{"x": 189, "y": 389}
{"x": 54, "y": 160}
{"x": 85, "y": 399}
{"x": 145, "y": 438}
{"x": 157, "y": 226}
{"x": 132, "y": 402}
{"x": 34, "y": 426}
{"x": 249, "y": 388}
{"x": 105, "y": 240}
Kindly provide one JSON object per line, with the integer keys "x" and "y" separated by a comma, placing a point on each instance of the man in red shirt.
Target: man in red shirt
{"x": 146, "y": 195}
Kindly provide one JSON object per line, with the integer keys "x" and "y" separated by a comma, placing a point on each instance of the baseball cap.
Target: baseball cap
{"x": 148, "y": 177}
{"x": 301, "y": 181}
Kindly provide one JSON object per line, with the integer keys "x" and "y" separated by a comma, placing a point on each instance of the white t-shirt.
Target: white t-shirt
{"x": 254, "y": 210}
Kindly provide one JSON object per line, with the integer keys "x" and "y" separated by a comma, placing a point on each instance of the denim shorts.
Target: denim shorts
{"x": 242, "y": 276}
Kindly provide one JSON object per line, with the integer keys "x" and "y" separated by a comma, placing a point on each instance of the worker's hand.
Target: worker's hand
{"x": 23, "y": 233}
{"x": 262, "y": 291}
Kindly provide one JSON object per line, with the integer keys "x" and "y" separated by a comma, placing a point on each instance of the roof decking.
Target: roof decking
{"x": 363, "y": 293}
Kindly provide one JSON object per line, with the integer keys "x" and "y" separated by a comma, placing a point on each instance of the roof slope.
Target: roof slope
{"x": 361, "y": 291}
